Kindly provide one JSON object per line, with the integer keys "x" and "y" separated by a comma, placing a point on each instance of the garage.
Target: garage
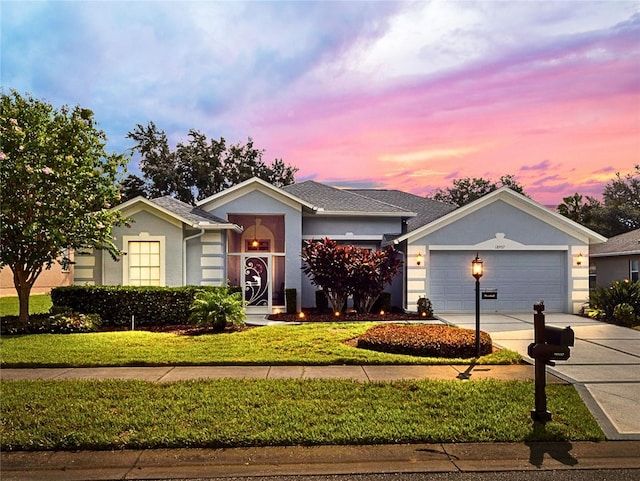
{"x": 512, "y": 282}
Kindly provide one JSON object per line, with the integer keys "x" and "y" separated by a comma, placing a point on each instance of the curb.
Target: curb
{"x": 318, "y": 460}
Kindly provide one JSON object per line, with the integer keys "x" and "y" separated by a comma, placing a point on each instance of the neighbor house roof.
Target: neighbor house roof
{"x": 427, "y": 210}
{"x": 332, "y": 201}
{"x": 623, "y": 244}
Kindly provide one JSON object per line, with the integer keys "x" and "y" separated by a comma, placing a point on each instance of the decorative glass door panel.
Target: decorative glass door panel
{"x": 256, "y": 280}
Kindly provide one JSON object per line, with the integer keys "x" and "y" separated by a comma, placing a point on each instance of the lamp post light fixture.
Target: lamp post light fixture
{"x": 477, "y": 271}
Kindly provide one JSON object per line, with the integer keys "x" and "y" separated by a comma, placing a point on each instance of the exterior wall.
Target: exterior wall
{"x": 88, "y": 267}
{"x": 321, "y": 226}
{"x": 499, "y": 227}
{"x": 147, "y": 226}
{"x": 610, "y": 269}
{"x": 206, "y": 259}
{"x": 259, "y": 203}
{"x": 48, "y": 279}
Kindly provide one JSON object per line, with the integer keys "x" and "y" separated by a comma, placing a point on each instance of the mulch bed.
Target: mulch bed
{"x": 329, "y": 317}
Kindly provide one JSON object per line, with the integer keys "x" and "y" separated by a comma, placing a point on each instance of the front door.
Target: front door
{"x": 256, "y": 282}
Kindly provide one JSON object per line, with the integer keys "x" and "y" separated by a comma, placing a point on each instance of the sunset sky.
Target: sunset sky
{"x": 406, "y": 95}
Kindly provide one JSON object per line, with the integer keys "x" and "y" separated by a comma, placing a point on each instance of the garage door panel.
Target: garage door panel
{"x": 521, "y": 278}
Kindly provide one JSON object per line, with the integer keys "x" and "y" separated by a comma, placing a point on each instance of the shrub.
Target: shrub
{"x": 59, "y": 321}
{"x": 424, "y": 340}
{"x": 116, "y": 304}
{"x": 603, "y": 301}
{"x": 623, "y": 314}
{"x": 217, "y": 309}
{"x": 425, "y": 308}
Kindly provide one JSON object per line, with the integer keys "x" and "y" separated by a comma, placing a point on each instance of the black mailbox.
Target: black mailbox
{"x": 559, "y": 336}
{"x": 549, "y": 352}
{"x": 550, "y": 344}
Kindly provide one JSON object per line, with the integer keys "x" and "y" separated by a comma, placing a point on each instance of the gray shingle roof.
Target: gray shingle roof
{"x": 428, "y": 210}
{"x": 187, "y": 211}
{"x": 342, "y": 200}
{"x": 628, "y": 243}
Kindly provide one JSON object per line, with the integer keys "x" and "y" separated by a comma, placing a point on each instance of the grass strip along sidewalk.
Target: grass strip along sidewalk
{"x": 238, "y": 412}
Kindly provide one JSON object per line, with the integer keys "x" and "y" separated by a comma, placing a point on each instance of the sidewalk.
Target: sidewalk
{"x": 356, "y": 373}
{"x": 317, "y": 460}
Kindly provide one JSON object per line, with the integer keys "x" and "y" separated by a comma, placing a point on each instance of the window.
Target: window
{"x": 634, "y": 273}
{"x": 592, "y": 277}
{"x": 144, "y": 263}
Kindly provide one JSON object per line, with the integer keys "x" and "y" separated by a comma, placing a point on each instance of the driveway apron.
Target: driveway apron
{"x": 604, "y": 365}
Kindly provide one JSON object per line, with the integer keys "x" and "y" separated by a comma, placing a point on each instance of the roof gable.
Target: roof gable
{"x": 178, "y": 211}
{"x": 517, "y": 201}
{"x": 250, "y": 185}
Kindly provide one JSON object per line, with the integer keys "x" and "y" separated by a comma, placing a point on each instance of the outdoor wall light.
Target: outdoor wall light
{"x": 580, "y": 259}
{"x": 419, "y": 258}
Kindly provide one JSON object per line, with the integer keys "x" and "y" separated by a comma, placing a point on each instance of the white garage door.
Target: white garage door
{"x": 520, "y": 278}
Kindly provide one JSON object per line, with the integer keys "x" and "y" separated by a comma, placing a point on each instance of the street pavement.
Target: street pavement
{"x": 604, "y": 365}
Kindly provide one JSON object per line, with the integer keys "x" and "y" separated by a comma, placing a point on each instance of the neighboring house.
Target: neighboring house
{"x": 615, "y": 260}
{"x": 59, "y": 275}
{"x": 251, "y": 235}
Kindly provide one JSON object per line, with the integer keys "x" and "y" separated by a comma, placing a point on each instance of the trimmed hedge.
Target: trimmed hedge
{"x": 425, "y": 340}
{"x": 116, "y": 304}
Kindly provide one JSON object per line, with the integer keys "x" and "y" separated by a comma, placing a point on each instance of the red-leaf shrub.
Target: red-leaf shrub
{"x": 425, "y": 340}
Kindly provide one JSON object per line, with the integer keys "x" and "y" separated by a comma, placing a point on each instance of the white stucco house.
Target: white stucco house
{"x": 251, "y": 235}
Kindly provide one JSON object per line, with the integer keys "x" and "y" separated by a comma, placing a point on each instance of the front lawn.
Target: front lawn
{"x": 318, "y": 344}
{"x": 234, "y": 412}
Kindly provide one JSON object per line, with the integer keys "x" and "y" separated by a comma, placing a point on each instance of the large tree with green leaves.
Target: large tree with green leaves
{"x": 468, "y": 189}
{"x": 200, "y": 167}
{"x": 617, "y": 213}
{"x": 57, "y": 185}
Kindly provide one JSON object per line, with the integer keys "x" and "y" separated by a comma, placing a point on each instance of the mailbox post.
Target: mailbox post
{"x": 550, "y": 344}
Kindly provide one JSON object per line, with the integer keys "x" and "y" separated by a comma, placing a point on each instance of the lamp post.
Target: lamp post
{"x": 476, "y": 271}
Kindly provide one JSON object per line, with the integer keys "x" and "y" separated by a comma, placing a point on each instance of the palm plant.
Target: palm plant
{"x": 217, "y": 309}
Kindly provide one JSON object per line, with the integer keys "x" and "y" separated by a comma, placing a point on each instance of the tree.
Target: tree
{"x": 621, "y": 199}
{"x": 327, "y": 265}
{"x": 131, "y": 187}
{"x": 466, "y": 190}
{"x": 341, "y": 271}
{"x": 201, "y": 167}
{"x": 619, "y": 211}
{"x": 57, "y": 185}
{"x": 586, "y": 211}
{"x": 372, "y": 272}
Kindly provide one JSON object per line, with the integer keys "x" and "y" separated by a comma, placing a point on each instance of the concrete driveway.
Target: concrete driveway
{"x": 604, "y": 365}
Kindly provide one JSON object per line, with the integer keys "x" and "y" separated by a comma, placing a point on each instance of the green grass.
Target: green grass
{"x": 38, "y": 304}
{"x": 45, "y": 415}
{"x": 306, "y": 344}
